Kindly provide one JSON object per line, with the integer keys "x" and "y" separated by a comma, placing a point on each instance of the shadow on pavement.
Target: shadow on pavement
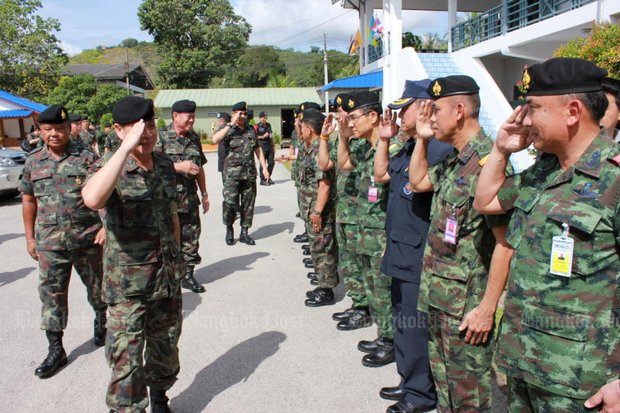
{"x": 221, "y": 269}
{"x": 9, "y": 277}
{"x": 262, "y": 209}
{"x": 191, "y": 301}
{"x": 83, "y": 349}
{"x": 8, "y": 237}
{"x": 233, "y": 367}
{"x": 273, "y": 229}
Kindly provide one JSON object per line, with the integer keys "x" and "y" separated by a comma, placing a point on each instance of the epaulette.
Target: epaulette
{"x": 482, "y": 161}
{"x": 35, "y": 150}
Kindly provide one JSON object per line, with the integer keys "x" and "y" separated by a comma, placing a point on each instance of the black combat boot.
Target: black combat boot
{"x": 99, "y": 330}
{"x": 301, "y": 238}
{"x": 307, "y": 260}
{"x": 321, "y": 297}
{"x": 306, "y": 252}
{"x": 311, "y": 275}
{"x": 343, "y": 315}
{"x": 382, "y": 356}
{"x": 359, "y": 319}
{"x": 230, "y": 235}
{"x": 159, "y": 401}
{"x": 189, "y": 282}
{"x": 245, "y": 238}
{"x": 366, "y": 346}
{"x": 56, "y": 357}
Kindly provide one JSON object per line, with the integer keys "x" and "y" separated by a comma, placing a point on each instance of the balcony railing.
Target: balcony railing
{"x": 508, "y": 16}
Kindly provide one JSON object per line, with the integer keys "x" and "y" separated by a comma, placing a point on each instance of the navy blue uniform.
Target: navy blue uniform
{"x": 406, "y": 226}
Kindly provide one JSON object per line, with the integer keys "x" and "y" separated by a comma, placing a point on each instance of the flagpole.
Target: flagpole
{"x": 325, "y": 74}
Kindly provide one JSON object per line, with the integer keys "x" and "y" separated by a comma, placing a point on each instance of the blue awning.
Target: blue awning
{"x": 366, "y": 81}
{"x": 23, "y": 102}
{"x": 15, "y": 113}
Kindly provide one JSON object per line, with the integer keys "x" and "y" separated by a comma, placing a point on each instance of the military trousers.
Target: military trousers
{"x": 190, "y": 236}
{"x": 324, "y": 252}
{"x": 54, "y": 275}
{"x": 411, "y": 345}
{"x": 349, "y": 268}
{"x": 141, "y": 349}
{"x": 269, "y": 152}
{"x": 239, "y": 196}
{"x": 462, "y": 372}
{"x": 526, "y": 398}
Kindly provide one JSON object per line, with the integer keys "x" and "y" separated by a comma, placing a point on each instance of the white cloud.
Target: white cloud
{"x": 69, "y": 48}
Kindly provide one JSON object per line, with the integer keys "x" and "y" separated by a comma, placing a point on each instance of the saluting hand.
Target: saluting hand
{"x": 132, "y": 139}
{"x": 328, "y": 125}
{"x": 423, "y": 122}
{"x": 513, "y": 136}
{"x": 387, "y": 126}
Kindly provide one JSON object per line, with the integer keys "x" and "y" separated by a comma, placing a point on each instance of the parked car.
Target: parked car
{"x": 11, "y": 165}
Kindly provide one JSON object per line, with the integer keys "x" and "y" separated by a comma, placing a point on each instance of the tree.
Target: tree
{"x": 601, "y": 47}
{"x": 433, "y": 41}
{"x": 81, "y": 94}
{"x": 31, "y": 59}
{"x": 280, "y": 80}
{"x": 412, "y": 40}
{"x": 257, "y": 64}
{"x": 196, "y": 39}
{"x": 129, "y": 43}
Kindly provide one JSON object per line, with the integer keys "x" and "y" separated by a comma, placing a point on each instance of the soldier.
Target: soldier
{"x": 466, "y": 259}
{"x": 559, "y": 340}
{"x": 222, "y": 118}
{"x": 86, "y": 135}
{"x": 111, "y": 141}
{"x": 183, "y": 146}
{"x": 265, "y": 140}
{"x": 347, "y": 184}
{"x": 143, "y": 261}
{"x": 239, "y": 172}
{"x": 61, "y": 231}
{"x": 317, "y": 207}
{"x": 611, "y": 119}
{"x": 406, "y": 225}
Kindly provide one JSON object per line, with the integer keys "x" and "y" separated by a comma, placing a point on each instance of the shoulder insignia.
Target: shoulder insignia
{"x": 585, "y": 190}
{"x": 482, "y": 161}
{"x": 616, "y": 160}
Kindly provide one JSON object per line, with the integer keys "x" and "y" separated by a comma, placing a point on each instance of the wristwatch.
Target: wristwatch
{"x": 316, "y": 212}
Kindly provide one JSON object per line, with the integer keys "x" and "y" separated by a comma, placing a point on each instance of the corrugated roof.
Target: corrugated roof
{"x": 15, "y": 113}
{"x": 23, "y": 102}
{"x": 103, "y": 71}
{"x": 285, "y": 96}
{"x": 365, "y": 81}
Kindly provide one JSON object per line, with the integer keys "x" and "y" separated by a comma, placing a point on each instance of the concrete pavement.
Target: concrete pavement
{"x": 248, "y": 345}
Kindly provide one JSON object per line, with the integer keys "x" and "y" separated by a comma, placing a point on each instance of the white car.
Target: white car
{"x": 11, "y": 165}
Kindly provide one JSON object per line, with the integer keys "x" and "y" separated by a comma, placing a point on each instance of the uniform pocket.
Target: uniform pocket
{"x": 42, "y": 183}
{"x": 137, "y": 208}
{"x": 138, "y": 272}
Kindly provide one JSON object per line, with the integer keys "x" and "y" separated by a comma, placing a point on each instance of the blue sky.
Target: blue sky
{"x": 88, "y": 24}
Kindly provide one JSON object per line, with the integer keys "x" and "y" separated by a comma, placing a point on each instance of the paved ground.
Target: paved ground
{"x": 249, "y": 344}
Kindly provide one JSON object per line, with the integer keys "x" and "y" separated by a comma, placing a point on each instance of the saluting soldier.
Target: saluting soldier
{"x": 61, "y": 231}
{"x": 317, "y": 206}
{"x": 241, "y": 145}
{"x": 466, "y": 258}
{"x": 183, "y": 146}
{"x": 143, "y": 262}
{"x": 560, "y": 340}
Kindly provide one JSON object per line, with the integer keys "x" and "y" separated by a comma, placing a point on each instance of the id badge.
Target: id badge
{"x": 561, "y": 262}
{"x": 451, "y": 231}
{"x": 373, "y": 194}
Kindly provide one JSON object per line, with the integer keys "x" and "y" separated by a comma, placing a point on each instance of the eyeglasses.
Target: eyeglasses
{"x": 356, "y": 118}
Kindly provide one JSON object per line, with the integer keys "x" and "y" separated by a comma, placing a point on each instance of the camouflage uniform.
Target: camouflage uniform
{"x": 65, "y": 231}
{"x": 112, "y": 142}
{"x": 88, "y": 139}
{"x": 239, "y": 175}
{"x": 179, "y": 149}
{"x": 143, "y": 266}
{"x": 454, "y": 279}
{"x": 560, "y": 340}
{"x": 347, "y": 184}
{"x": 370, "y": 243}
{"x": 322, "y": 243}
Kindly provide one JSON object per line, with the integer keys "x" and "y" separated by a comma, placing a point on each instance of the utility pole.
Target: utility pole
{"x": 127, "y": 69}
{"x": 325, "y": 75}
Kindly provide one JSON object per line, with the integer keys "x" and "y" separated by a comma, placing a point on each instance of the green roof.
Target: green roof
{"x": 285, "y": 96}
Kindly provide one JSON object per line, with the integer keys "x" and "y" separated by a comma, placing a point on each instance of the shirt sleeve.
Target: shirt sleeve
{"x": 509, "y": 192}
{"x": 25, "y": 185}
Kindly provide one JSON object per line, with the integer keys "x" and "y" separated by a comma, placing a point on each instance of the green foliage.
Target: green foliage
{"x": 601, "y": 47}
{"x": 412, "y": 40}
{"x": 89, "y": 57}
{"x": 257, "y": 64}
{"x": 81, "y": 94}
{"x": 129, "y": 43}
{"x": 161, "y": 123}
{"x": 434, "y": 41}
{"x": 30, "y": 54}
{"x": 280, "y": 80}
{"x": 106, "y": 118}
{"x": 277, "y": 138}
{"x": 195, "y": 40}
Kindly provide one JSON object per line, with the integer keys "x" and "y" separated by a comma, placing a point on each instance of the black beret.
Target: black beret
{"x": 611, "y": 85}
{"x": 54, "y": 115}
{"x": 451, "y": 86}
{"x": 260, "y": 115}
{"x": 309, "y": 105}
{"x": 562, "y": 76}
{"x": 131, "y": 109}
{"x": 223, "y": 115}
{"x": 341, "y": 99}
{"x": 362, "y": 99}
{"x": 240, "y": 106}
{"x": 414, "y": 90}
{"x": 75, "y": 117}
{"x": 184, "y": 106}
{"x": 311, "y": 114}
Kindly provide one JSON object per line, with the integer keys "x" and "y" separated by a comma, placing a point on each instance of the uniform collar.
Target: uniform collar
{"x": 473, "y": 146}
{"x": 595, "y": 156}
